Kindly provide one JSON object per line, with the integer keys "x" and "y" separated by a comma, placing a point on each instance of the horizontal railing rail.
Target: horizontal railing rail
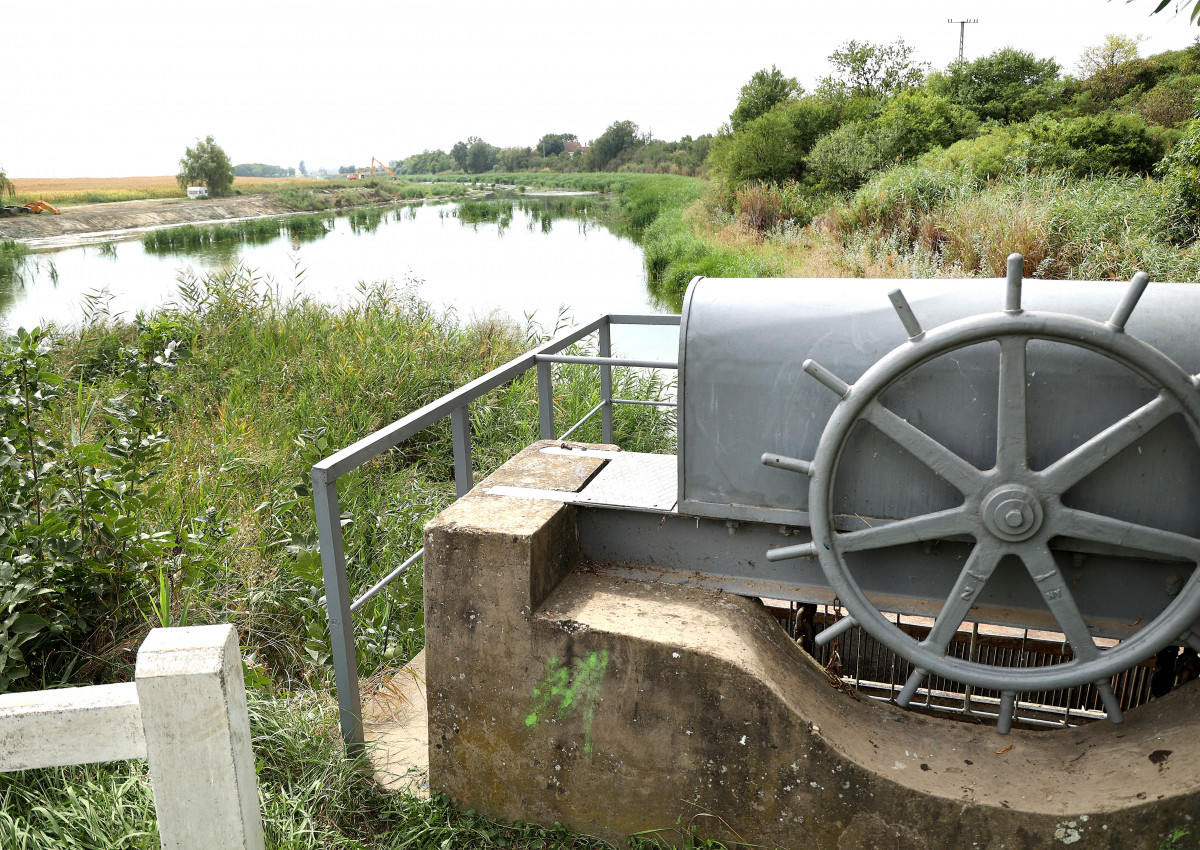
{"x": 340, "y": 607}
{"x": 185, "y": 713}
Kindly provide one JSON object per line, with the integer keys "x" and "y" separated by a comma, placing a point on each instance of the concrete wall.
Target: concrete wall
{"x": 560, "y": 694}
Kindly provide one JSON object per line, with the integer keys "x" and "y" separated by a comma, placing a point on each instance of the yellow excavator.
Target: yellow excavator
{"x": 31, "y": 208}
{"x": 362, "y": 173}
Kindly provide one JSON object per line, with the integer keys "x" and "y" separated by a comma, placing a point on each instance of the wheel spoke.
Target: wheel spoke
{"x": 945, "y": 463}
{"x": 1053, "y": 587}
{"x": 975, "y": 574}
{"x": 1077, "y": 464}
{"x": 918, "y": 529}
{"x": 1012, "y": 455}
{"x": 1116, "y": 532}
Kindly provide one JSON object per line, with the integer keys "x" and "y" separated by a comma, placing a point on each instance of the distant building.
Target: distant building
{"x": 573, "y": 147}
{"x": 197, "y": 191}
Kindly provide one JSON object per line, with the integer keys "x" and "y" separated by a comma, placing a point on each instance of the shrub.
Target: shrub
{"x": 1170, "y": 103}
{"x": 916, "y": 121}
{"x": 1094, "y": 144}
{"x": 995, "y": 152}
{"x": 845, "y": 158}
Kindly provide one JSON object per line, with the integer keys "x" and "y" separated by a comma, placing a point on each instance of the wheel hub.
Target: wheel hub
{"x": 1012, "y": 513}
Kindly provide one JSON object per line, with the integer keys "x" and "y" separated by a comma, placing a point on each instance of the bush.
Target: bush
{"x": 845, "y": 159}
{"x": 898, "y": 198}
{"x": 773, "y": 146}
{"x": 1170, "y": 103}
{"x": 990, "y": 155}
{"x": 916, "y": 121}
{"x": 1095, "y": 144}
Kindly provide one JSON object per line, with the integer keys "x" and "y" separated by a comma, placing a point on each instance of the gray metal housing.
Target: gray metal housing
{"x": 743, "y": 392}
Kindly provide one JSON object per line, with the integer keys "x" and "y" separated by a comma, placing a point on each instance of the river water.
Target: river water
{"x": 527, "y": 266}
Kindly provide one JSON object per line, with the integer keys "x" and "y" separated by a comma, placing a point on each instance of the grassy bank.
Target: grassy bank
{"x": 937, "y": 219}
{"x": 173, "y": 453}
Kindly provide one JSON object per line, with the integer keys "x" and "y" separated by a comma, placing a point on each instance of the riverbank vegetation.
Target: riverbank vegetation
{"x": 156, "y": 473}
{"x": 886, "y": 168}
{"x": 946, "y": 173}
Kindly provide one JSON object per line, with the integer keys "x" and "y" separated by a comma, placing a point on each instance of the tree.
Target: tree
{"x": 553, "y": 144}
{"x": 303, "y": 170}
{"x": 206, "y": 165}
{"x": 459, "y": 154}
{"x": 621, "y": 136}
{"x": 873, "y": 70}
{"x": 513, "y": 159}
{"x": 480, "y": 156}
{"x": 916, "y": 121}
{"x": 1107, "y": 69}
{"x": 427, "y": 162}
{"x": 1008, "y": 86}
{"x": 773, "y": 146}
{"x": 6, "y": 185}
{"x": 766, "y": 89}
{"x": 1094, "y": 144}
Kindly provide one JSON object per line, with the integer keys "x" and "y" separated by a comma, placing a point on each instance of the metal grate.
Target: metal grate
{"x": 872, "y": 670}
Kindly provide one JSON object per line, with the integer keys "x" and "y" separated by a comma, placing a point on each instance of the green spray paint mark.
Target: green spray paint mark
{"x": 569, "y": 687}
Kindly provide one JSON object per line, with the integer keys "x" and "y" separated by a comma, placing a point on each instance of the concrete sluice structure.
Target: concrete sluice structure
{"x": 598, "y": 652}
{"x": 561, "y": 691}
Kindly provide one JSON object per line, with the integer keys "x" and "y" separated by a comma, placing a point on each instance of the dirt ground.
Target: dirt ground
{"x": 88, "y": 222}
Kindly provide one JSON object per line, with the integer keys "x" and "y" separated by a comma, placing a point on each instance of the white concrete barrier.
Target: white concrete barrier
{"x": 185, "y": 713}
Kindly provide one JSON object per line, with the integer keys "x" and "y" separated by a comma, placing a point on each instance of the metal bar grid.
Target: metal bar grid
{"x": 325, "y": 473}
{"x": 875, "y": 671}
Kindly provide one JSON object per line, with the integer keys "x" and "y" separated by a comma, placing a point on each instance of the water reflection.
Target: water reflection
{"x": 503, "y": 255}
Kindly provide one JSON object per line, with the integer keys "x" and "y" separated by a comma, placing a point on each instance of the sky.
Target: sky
{"x": 122, "y": 88}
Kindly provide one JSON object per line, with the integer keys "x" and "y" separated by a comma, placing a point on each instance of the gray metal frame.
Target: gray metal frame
{"x": 339, "y": 605}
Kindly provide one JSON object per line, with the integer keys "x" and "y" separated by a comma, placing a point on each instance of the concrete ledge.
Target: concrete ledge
{"x": 560, "y": 694}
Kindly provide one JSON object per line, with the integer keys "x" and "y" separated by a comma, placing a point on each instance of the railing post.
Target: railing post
{"x": 337, "y": 606}
{"x": 193, "y": 705}
{"x": 606, "y": 412}
{"x": 460, "y": 427}
{"x": 546, "y": 399}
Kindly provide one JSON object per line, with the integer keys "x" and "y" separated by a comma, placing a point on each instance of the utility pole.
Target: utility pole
{"x": 962, "y": 31}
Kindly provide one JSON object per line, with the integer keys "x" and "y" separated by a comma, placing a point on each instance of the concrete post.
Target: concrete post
{"x": 193, "y": 704}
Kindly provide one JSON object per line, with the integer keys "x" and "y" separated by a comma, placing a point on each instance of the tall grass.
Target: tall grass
{"x": 312, "y": 798}
{"x": 263, "y": 388}
{"x": 12, "y": 257}
{"x": 1096, "y": 228}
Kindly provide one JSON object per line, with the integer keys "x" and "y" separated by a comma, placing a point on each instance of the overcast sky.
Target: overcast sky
{"x": 121, "y": 88}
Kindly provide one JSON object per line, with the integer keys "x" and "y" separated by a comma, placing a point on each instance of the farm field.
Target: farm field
{"x": 95, "y": 190}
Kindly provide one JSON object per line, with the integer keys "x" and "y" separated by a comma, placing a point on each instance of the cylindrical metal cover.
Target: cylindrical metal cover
{"x": 743, "y": 392}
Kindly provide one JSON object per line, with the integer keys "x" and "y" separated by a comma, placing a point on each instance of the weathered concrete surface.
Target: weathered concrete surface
{"x": 396, "y": 728}
{"x": 559, "y": 694}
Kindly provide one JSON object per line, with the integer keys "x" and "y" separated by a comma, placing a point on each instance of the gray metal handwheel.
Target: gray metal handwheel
{"x": 1009, "y": 509}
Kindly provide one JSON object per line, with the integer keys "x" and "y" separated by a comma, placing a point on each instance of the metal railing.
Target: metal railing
{"x": 339, "y": 606}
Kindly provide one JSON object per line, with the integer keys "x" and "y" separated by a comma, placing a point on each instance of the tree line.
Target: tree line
{"x": 1008, "y": 110}
{"x": 621, "y": 147}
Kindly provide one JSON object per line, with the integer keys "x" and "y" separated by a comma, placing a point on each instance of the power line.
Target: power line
{"x": 962, "y": 31}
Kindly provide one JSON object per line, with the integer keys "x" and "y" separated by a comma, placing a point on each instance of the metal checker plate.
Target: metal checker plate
{"x": 634, "y": 480}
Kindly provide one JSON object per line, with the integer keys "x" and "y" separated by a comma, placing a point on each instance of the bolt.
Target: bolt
{"x": 1014, "y": 518}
